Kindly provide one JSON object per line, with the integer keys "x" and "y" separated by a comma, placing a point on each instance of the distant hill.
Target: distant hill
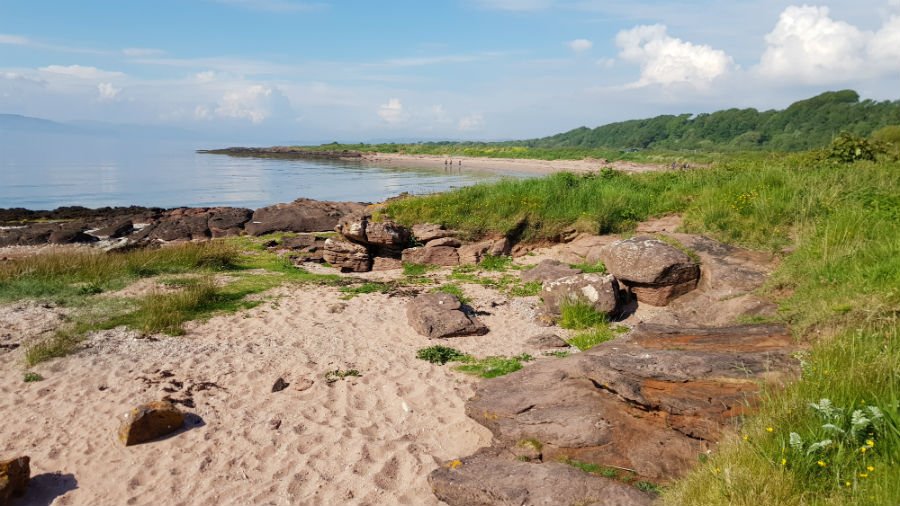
{"x": 19, "y": 123}
{"x": 806, "y": 124}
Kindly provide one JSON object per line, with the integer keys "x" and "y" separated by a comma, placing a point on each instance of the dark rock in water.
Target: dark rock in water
{"x": 150, "y": 421}
{"x": 601, "y": 291}
{"x": 14, "y": 477}
{"x": 438, "y": 315}
{"x": 489, "y": 479}
{"x": 549, "y": 270}
{"x": 655, "y": 271}
{"x": 279, "y": 385}
{"x": 347, "y": 256}
{"x": 438, "y": 255}
{"x": 301, "y": 215}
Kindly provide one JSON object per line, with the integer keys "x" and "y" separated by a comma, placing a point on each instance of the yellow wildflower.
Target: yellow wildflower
{"x": 784, "y": 462}
{"x": 822, "y": 463}
{"x": 863, "y": 475}
{"x": 870, "y": 468}
{"x": 455, "y": 464}
{"x": 870, "y": 443}
{"x": 863, "y": 449}
{"x": 847, "y": 483}
{"x": 770, "y": 429}
{"x": 746, "y": 437}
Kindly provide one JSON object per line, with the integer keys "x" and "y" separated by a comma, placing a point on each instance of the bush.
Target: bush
{"x": 440, "y": 354}
{"x": 849, "y": 148}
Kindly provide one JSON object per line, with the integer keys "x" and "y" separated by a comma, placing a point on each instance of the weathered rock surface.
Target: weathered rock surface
{"x": 347, "y": 256}
{"x": 547, "y": 341}
{"x": 439, "y": 315}
{"x": 451, "y": 242}
{"x": 438, "y": 255}
{"x": 227, "y": 221}
{"x": 301, "y": 215}
{"x": 490, "y": 479}
{"x": 599, "y": 290}
{"x": 150, "y": 421}
{"x": 426, "y": 232}
{"x": 473, "y": 253}
{"x": 115, "y": 230}
{"x": 386, "y": 264}
{"x": 654, "y": 271}
{"x": 651, "y": 402}
{"x": 383, "y": 237}
{"x": 14, "y": 477}
{"x": 549, "y": 270}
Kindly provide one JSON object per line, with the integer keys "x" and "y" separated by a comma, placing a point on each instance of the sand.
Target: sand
{"x": 507, "y": 165}
{"x": 369, "y": 440}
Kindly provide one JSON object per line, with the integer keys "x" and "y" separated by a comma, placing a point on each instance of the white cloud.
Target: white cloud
{"x": 205, "y": 77}
{"x": 202, "y": 112}
{"x": 392, "y": 112}
{"x": 607, "y": 63}
{"x": 253, "y": 102}
{"x": 580, "y": 45}
{"x": 15, "y": 40}
{"x": 668, "y": 60}
{"x": 81, "y": 72}
{"x": 808, "y": 46}
{"x": 471, "y": 122}
{"x": 142, "y": 52}
{"x": 108, "y": 92}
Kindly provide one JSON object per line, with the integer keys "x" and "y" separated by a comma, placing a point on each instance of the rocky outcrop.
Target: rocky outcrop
{"x": 301, "y": 215}
{"x": 115, "y": 230}
{"x": 439, "y": 255}
{"x": 427, "y": 232}
{"x": 384, "y": 237}
{"x": 546, "y": 341}
{"x": 490, "y": 479}
{"x": 601, "y": 291}
{"x": 549, "y": 270}
{"x": 347, "y": 256}
{"x": 14, "y": 477}
{"x": 439, "y": 315}
{"x": 473, "y": 253}
{"x": 653, "y": 270}
{"x": 150, "y": 421}
{"x": 649, "y": 403}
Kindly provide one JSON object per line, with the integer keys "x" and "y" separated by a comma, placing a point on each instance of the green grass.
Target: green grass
{"x": 368, "y": 287}
{"x": 441, "y": 354}
{"x": 492, "y": 367}
{"x": 454, "y": 290}
{"x": 416, "y": 270}
{"x": 579, "y": 315}
{"x": 509, "y": 284}
{"x": 341, "y": 374}
{"x": 494, "y": 263}
{"x": 31, "y": 377}
{"x": 592, "y": 337}
{"x": 597, "y": 268}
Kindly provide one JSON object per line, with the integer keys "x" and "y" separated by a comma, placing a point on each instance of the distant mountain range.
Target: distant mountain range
{"x": 16, "y": 123}
{"x": 19, "y": 123}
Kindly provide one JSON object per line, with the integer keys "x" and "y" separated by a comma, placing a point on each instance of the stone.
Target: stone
{"x": 70, "y": 233}
{"x": 439, "y": 255}
{"x": 14, "y": 476}
{"x": 353, "y": 226}
{"x": 386, "y": 264}
{"x": 655, "y": 271}
{"x": 444, "y": 241}
{"x": 150, "y": 421}
{"x": 384, "y": 235}
{"x": 302, "y": 215}
{"x": 441, "y": 315}
{"x": 299, "y": 242}
{"x": 426, "y": 232}
{"x": 473, "y": 253}
{"x": 116, "y": 230}
{"x": 227, "y": 221}
{"x": 601, "y": 291}
{"x": 279, "y": 385}
{"x": 549, "y": 270}
{"x": 487, "y": 479}
{"x": 547, "y": 341}
{"x": 347, "y": 256}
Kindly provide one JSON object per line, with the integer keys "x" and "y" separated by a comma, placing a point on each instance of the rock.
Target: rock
{"x": 438, "y": 315}
{"x": 486, "y": 479}
{"x": 473, "y": 253}
{"x": 227, "y": 221}
{"x": 302, "y": 215}
{"x": 347, "y": 256}
{"x": 547, "y": 341}
{"x": 14, "y": 477}
{"x": 386, "y": 264}
{"x": 655, "y": 271}
{"x": 299, "y": 242}
{"x": 599, "y": 290}
{"x": 426, "y": 232}
{"x": 150, "y": 421}
{"x": 386, "y": 236}
{"x": 353, "y": 226}
{"x": 70, "y": 233}
{"x": 444, "y": 241}
{"x": 651, "y": 402}
{"x": 279, "y": 385}
{"x": 549, "y": 270}
{"x": 439, "y": 255}
{"x": 116, "y": 230}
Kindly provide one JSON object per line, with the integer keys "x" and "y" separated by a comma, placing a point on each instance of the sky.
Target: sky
{"x": 360, "y": 70}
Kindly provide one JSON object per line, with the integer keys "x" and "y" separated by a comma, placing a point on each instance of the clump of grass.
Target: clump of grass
{"x": 31, "y": 377}
{"x": 580, "y": 315}
{"x": 441, "y": 354}
{"x": 498, "y": 263}
{"x": 166, "y": 312}
{"x": 557, "y": 353}
{"x": 340, "y": 374}
{"x": 586, "y": 268}
{"x": 592, "y": 468}
{"x": 368, "y": 287}
{"x": 61, "y": 344}
{"x": 414, "y": 270}
{"x": 454, "y": 290}
{"x": 492, "y": 367}
{"x": 591, "y": 337}
{"x": 528, "y": 289}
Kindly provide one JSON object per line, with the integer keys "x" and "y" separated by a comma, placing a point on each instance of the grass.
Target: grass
{"x": 415, "y": 270}
{"x": 341, "y": 374}
{"x": 492, "y": 367}
{"x": 31, "y": 377}
{"x": 597, "y": 268}
{"x": 507, "y": 283}
{"x": 579, "y": 315}
{"x": 592, "y": 337}
{"x": 440, "y": 354}
{"x": 454, "y": 290}
{"x": 368, "y": 287}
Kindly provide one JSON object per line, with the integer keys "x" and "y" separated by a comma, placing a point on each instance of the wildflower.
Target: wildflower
{"x": 870, "y": 468}
{"x": 863, "y": 475}
{"x": 455, "y": 464}
{"x": 822, "y": 463}
{"x": 717, "y": 471}
{"x": 770, "y": 429}
{"x": 870, "y": 443}
{"x": 783, "y": 462}
{"x": 863, "y": 449}
{"x": 746, "y": 437}
{"x": 847, "y": 483}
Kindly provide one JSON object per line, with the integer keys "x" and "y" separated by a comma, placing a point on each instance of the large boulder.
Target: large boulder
{"x": 438, "y": 315}
{"x": 70, "y": 233}
{"x": 347, "y": 256}
{"x": 115, "y": 230}
{"x": 14, "y": 476}
{"x": 301, "y": 215}
{"x": 383, "y": 236}
{"x": 438, "y": 255}
{"x": 489, "y": 479}
{"x": 549, "y": 270}
{"x": 226, "y": 221}
{"x": 601, "y": 291}
{"x": 150, "y": 421}
{"x": 654, "y": 271}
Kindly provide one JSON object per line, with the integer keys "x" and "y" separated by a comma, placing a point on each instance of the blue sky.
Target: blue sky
{"x": 458, "y": 69}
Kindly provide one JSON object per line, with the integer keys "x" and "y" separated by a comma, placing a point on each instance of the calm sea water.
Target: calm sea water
{"x": 48, "y": 171}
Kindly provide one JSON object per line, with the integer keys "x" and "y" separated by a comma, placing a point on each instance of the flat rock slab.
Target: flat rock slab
{"x": 438, "y": 315}
{"x": 150, "y": 421}
{"x": 599, "y": 290}
{"x": 650, "y": 402}
{"x": 549, "y": 270}
{"x": 488, "y": 479}
{"x": 301, "y": 215}
{"x": 437, "y": 255}
{"x": 347, "y": 256}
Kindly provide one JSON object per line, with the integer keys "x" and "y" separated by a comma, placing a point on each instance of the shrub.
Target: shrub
{"x": 440, "y": 354}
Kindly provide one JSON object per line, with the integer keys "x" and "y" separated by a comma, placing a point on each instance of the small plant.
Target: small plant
{"x": 849, "y": 148}
{"x": 497, "y": 263}
{"x": 454, "y": 290}
{"x": 579, "y": 315}
{"x": 492, "y": 367}
{"x": 597, "y": 267}
{"x": 646, "y": 486}
{"x": 441, "y": 354}
{"x": 414, "y": 270}
{"x": 529, "y": 289}
{"x": 370, "y": 287}
{"x": 31, "y": 377}
{"x": 557, "y": 354}
{"x": 339, "y": 374}
{"x": 590, "y": 338}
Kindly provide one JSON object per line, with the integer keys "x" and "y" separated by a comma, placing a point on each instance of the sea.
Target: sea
{"x": 47, "y": 171}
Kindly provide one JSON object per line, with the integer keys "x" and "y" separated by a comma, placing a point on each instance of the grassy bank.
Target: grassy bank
{"x": 839, "y": 289}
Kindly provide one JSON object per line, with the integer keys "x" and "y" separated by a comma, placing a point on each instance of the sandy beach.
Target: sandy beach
{"x": 520, "y": 165}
